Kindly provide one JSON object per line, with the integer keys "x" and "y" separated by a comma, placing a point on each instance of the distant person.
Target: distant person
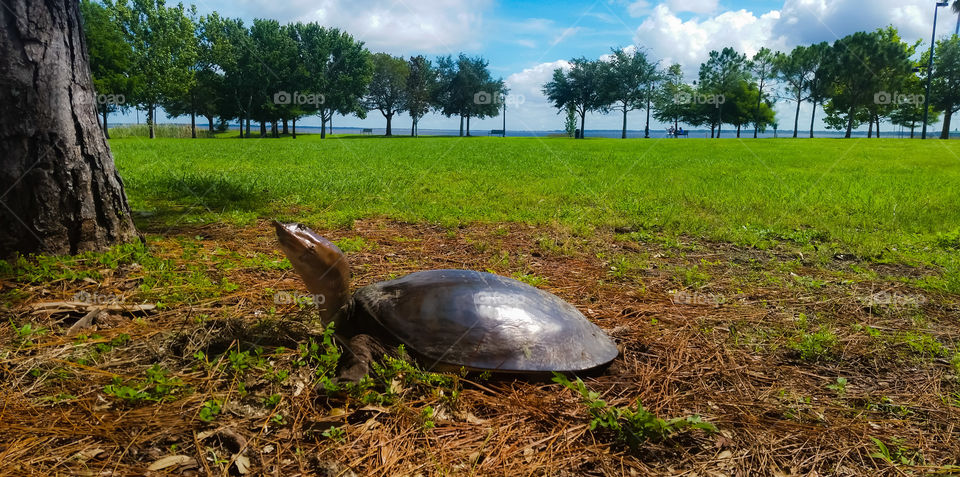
{"x": 671, "y": 131}
{"x": 680, "y": 132}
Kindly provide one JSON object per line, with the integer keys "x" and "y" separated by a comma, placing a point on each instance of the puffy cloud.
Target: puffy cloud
{"x": 534, "y": 111}
{"x": 690, "y": 42}
{"x": 694, "y": 6}
{"x": 394, "y": 26}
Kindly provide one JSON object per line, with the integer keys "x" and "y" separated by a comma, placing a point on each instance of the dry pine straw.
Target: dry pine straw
{"x": 727, "y": 363}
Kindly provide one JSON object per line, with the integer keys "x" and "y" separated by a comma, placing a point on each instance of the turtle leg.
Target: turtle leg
{"x": 359, "y": 352}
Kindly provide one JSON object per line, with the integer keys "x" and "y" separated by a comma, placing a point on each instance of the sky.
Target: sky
{"x": 525, "y": 41}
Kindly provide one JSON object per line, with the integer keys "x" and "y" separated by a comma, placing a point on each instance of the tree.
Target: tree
{"x": 945, "y": 88}
{"x": 111, "y": 59}
{"x": 164, "y": 53}
{"x": 387, "y": 91}
{"x": 60, "y": 191}
{"x": 721, "y": 77}
{"x": 628, "y": 76}
{"x": 863, "y": 65}
{"x": 763, "y": 67}
{"x": 668, "y": 107}
{"x": 420, "y": 89}
{"x": 794, "y": 70}
{"x": 581, "y": 87}
{"x": 818, "y": 86}
{"x": 467, "y": 89}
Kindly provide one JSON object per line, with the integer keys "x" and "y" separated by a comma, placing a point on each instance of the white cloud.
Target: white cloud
{"x": 694, "y": 6}
{"x": 394, "y": 26}
{"x": 690, "y": 42}
{"x": 535, "y": 112}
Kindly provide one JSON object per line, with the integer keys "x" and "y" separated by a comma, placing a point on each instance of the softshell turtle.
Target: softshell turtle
{"x": 449, "y": 319}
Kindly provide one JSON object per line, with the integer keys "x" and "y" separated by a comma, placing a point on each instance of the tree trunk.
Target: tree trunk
{"x": 870, "y": 129}
{"x": 913, "y": 126}
{"x": 248, "y": 127}
{"x": 813, "y": 117}
{"x": 274, "y": 131}
{"x": 294, "y": 134}
{"x": 719, "y": 128}
{"x": 583, "y": 120}
{"x": 323, "y": 126}
{"x": 796, "y": 119}
{"x": 468, "y": 125}
{"x": 461, "y": 125}
{"x": 106, "y": 127}
{"x": 623, "y": 133}
{"x": 150, "y": 113}
{"x": 878, "y": 127}
{"x": 389, "y": 125}
{"x": 646, "y": 128}
{"x": 286, "y": 129}
{"x": 738, "y": 131}
{"x": 210, "y": 125}
{"x": 413, "y": 127}
{"x": 61, "y": 193}
{"x": 947, "y": 117}
{"x": 850, "y": 123}
{"x": 193, "y": 124}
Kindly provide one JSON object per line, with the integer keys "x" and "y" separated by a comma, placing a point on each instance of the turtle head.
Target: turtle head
{"x": 321, "y": 265}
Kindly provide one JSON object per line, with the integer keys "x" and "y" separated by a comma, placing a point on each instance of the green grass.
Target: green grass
{"x": 884, "y": 199}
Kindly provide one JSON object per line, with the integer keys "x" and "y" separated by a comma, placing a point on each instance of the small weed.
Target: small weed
{"x": 355, "y": 244}
{"x": 692, "y": 276}
{"x": 815, "y": 346}
{"x": 336, "y": 434}
{"x": 840, "y": 387}
{"x": 272, "y": 401}
{"x": 924, "y": 345}
{"x": 210, "y": 410}
{"x": 896, "y": 453}
{"x": 631, "y": 426}
{"x": 426, "y": 417}
{"x": 157, "y": 387}
{"x": 530, "y": 279}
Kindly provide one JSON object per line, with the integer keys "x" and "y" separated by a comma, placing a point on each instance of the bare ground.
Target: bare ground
{"x": 725, "y": 332}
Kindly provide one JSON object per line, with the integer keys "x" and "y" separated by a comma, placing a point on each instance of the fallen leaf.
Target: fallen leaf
{"x": 171, "y": 461}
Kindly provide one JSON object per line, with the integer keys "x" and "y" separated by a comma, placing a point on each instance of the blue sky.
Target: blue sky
{"x": 525, "y": 40}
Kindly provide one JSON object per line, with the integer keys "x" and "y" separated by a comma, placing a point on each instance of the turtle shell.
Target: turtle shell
{"x": 483, "y": 321}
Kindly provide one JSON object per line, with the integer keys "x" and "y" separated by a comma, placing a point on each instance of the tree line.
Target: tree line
{"x": 145, "y": 54}
{"x": 860, "y": 79}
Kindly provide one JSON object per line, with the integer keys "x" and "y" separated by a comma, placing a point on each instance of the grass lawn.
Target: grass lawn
{"x": 800, "y": 297}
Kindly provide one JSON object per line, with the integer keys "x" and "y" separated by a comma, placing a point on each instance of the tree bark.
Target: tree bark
{"x": 210, "y": 125}
{"x": 59, "y": 190}
{"x": 813, "y": 117}
{"x": 150, "y": 114}
{"x": 389, "y": 125}
{"x": 583, "y": 120}
{"x": 646, "y": 128}
{"x": 850, "y": 123}
{"x": 461, "y": 125}
{"x": 468, "y": 125}
{"x": 947, "y": 118}
{"x": 294, "y": 128}
{"x": 286, "y": 127}
{"x": 193, "y": 124}
{"x": 273, "y": 129}
{"x": 106, "y": 128}
{"x": 870, "y": 129}
{"x": 623, "y": 133}
{"x": 796, "y": 119}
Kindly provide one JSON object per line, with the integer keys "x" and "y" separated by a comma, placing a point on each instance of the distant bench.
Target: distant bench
{"x": 496, "y": 132}
{"x": 678, "y": 133}
{"x": 366, "y": 131}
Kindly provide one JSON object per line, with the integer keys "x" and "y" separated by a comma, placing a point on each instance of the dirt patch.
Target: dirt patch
{"x": 757, "y": 342}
